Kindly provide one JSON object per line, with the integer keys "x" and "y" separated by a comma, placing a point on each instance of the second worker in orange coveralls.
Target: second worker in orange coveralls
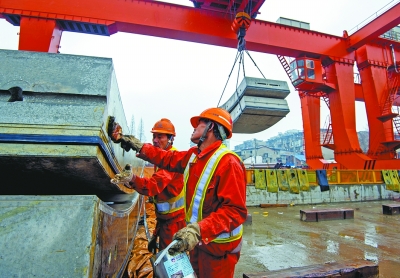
{"x": 215, "y": 199}
{"x": 166, "y": 188}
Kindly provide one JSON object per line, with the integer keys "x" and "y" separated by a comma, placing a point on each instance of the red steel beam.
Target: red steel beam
{"x": 383, "y": 23}
{"x": 182, "y": 23}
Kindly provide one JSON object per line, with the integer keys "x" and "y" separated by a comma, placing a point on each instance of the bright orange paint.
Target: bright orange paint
{"x": 333, "y": 57}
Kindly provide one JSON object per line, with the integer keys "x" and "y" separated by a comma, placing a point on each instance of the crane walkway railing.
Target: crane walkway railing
{"x": 373, "y": 16}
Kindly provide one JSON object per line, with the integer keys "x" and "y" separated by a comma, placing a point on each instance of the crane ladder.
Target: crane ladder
{"x": 393, "y": 88}
{"x": 285, "y": 66}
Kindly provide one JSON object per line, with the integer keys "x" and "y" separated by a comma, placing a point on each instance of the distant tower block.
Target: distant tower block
{"x": 258, "y": 104}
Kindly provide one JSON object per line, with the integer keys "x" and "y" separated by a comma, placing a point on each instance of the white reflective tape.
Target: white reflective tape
{"x": 166, "y": 207}
{"x": 235, "y": 232}
{"x": 202, "y": 183}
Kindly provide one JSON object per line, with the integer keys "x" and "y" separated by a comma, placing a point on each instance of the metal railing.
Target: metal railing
{"x": 373, "y": 16}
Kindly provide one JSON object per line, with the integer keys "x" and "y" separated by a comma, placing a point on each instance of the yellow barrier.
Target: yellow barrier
{"x": 283, "y": 182}
{"x": 303, "y": 180}
{"x": 391, "y": 179}
{"x": 293, "y": 181}
{"x": 259, "y": 177}
{"x": 309, "y": 178}
{"x": 272, "y": 181}
{"x": 395, "y": 180}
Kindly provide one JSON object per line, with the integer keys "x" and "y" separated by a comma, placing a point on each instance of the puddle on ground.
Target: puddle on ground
{"x": 282, "y": 240}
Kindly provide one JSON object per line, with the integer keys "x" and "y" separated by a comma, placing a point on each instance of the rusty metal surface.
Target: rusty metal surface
{"x": 391, "y": 209}
{"x": 316, "y": 215}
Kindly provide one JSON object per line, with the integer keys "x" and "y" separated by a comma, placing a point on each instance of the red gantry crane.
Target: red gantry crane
{"x": 322, "y": 66}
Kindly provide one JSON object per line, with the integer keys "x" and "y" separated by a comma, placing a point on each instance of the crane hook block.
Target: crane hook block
{"x": 242, "y": 20}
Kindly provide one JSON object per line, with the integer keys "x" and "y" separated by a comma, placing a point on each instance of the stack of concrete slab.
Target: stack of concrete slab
{"x": 53, "y": 140}
{"x": 257, "y": 104}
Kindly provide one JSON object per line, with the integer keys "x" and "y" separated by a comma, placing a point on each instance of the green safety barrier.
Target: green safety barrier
{"x": 282, "y": 178}
{"x": 272, "y": 181}
{"x": 293, "y": 181}
{"x": 259, "y": 179}
{"x": 303, "y": 180}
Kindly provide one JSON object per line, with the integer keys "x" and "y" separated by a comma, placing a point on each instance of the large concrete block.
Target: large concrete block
{"x": 54, "y": 141}
{"x": 65, "y": 236}
{"x": 257, "y": 104}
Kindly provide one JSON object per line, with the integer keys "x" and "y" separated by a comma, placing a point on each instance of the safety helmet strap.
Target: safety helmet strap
{"x": 170, "y": 140}
{"x": 203, "y": 136}
{"x": 222, "y": 132}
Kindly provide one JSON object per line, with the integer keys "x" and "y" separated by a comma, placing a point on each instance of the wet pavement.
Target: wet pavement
{"x": 277, "y": 238}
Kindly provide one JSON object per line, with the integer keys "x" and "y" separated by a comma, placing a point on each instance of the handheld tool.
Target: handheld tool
{"x": 114, "y": 130}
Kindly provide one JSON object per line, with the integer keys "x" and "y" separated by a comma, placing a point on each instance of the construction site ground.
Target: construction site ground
{"x": 277, "y": 239}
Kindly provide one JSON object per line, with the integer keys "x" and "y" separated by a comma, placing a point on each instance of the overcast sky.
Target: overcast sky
{"x": 160, "y": 78}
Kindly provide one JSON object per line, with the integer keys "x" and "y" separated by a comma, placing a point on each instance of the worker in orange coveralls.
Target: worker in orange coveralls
{"x": 215, "y": 186}
{"x": 166, "y": 188}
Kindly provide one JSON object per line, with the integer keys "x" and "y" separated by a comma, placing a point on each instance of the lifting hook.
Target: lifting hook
{"x": 240, "y": 25}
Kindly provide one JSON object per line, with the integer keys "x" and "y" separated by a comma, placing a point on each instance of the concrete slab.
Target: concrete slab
{"x": 257, "y": 104}
{"x": 65, "y": 236}
{"x": 57, "y": 133}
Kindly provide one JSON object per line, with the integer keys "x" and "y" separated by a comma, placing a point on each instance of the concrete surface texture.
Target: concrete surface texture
{"x": 277, "y": 238}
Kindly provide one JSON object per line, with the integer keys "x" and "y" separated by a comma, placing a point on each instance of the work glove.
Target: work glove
{"x": 187, "y": 237}
{"x": 130, "y": 142}
{"x": 114, "y": 130}
{"x": 124, "y": 177}
{"x": 152, "y": 246}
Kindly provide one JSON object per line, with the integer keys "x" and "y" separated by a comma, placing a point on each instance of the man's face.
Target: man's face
{"x": 160, "y": 140}
{"x": 198, "y": 132}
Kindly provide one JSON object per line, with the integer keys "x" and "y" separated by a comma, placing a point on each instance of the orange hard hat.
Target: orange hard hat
{"x": 164, "y": 126}
{"x": 217, "y": 115}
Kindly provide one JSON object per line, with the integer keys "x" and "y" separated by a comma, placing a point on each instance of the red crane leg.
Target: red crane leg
{"x": 38, "y": 34}
{"x": 342, "y": 108}
{"x": 374, "y": 76}
{"x": 310, "y": 109}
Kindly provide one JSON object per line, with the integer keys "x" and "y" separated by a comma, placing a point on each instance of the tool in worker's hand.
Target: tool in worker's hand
{"x": 124, "y": 177}
{"x": 128, "y": 142}
{"x": 114, "y": 130}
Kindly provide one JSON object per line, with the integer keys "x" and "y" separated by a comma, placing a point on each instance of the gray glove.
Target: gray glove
{"x": 130, "y": 142}
{"x": 124, "y": 177}
{"x": 188, "y": 238}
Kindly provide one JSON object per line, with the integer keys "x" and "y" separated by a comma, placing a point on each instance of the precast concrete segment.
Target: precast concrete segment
{"x": 257, "y": 104}
{"x": 57, "y": 133}
{"x": 64, "y": 236}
